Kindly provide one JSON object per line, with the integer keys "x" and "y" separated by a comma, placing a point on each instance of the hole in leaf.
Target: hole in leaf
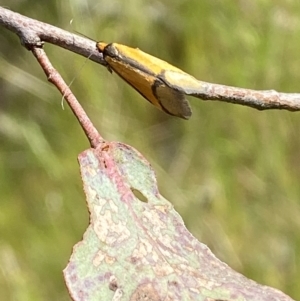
{"x": 139, "y": 195}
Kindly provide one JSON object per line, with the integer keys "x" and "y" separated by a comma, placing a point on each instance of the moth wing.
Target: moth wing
{"x": 173, "y": 101}
{"x": 139, "y": 80}
{"x": 181, "y": 81}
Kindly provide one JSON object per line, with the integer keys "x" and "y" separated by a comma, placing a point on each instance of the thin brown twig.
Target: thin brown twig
{"x": 55, "y": 78}
{"x": 257, "y": 99}
{"x": 33, "y": 33}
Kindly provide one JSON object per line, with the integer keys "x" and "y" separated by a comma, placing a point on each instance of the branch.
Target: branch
{"x": 33, "y": 33}
{"x": 261, "y": 100}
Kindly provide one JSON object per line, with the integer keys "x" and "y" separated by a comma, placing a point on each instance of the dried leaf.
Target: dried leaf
{"x": 137, "y": 247}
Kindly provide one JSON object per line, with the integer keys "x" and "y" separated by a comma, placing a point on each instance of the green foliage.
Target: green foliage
{"x": 232, "y": 172}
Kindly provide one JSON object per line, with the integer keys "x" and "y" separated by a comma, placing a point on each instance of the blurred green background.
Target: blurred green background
{"x": 232, "y": 172}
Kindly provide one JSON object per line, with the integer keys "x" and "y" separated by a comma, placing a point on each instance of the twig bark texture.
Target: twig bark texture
{"x": 33, "y": 33}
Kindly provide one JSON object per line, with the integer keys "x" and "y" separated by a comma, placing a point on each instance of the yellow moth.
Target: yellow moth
{"x": 162, "y": 84}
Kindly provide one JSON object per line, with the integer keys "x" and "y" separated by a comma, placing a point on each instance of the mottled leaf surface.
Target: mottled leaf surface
{"x": 137, "y": 247}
